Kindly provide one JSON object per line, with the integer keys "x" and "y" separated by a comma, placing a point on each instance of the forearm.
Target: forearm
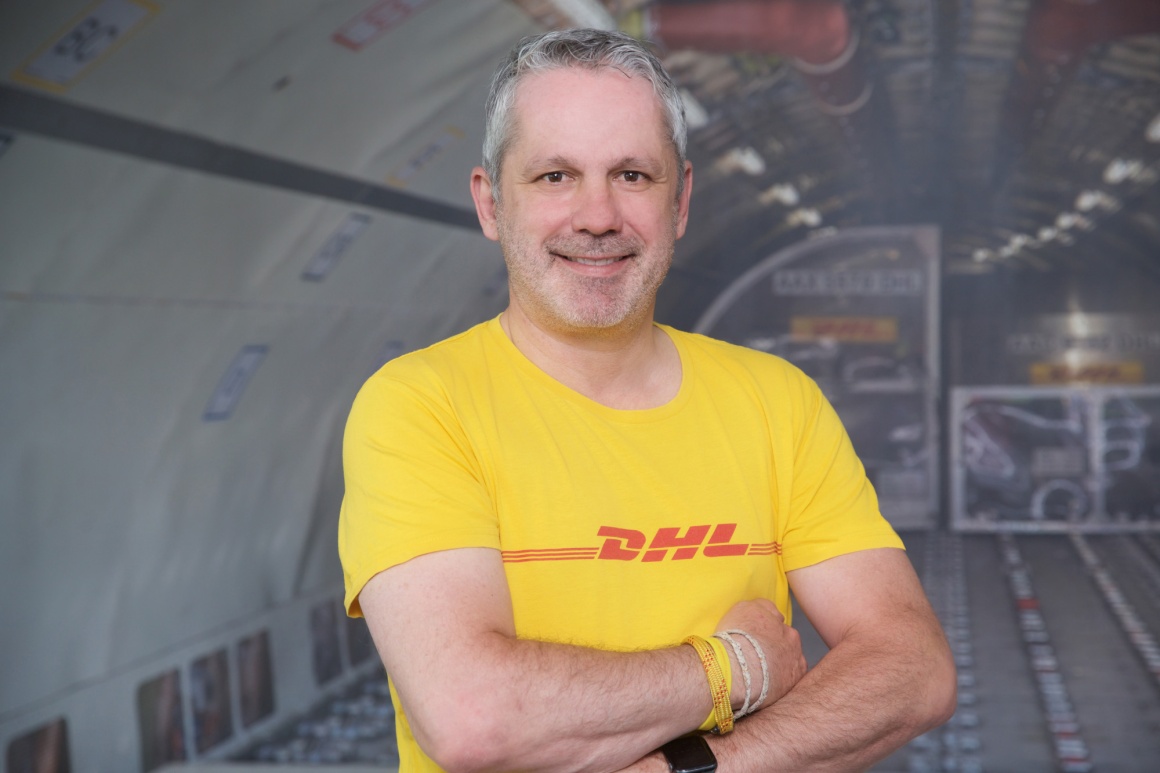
{"x": 862, "y": 701}
{"x": 538, "y": 706}
{"x": 479, "y": 698}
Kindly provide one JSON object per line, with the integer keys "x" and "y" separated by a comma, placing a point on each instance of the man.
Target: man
{"x": 541, "y": 509}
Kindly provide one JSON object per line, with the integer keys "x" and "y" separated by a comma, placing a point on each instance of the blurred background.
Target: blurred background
{"x": 217, "y": 219}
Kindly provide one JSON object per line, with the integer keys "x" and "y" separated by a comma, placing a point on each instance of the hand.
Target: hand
{"x": 780, "y": 643}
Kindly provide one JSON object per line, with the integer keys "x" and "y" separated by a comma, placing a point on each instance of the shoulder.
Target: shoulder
{"x": 462, "y": 355}
{"x": 730, "y": 374}
{"x": 461, "y": 352}
{"x": 428, "y": 378}
{"x": 712, "y": 357}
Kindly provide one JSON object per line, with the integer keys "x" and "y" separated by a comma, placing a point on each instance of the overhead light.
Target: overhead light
{"x": 1047, "y": 233}
{"x": 1152, "y": 133}
{"x": 805, "y": 216}
{"x": 1068, "y": 220}
{"x": 782, "y": 193}
{"x": 749, "y": 161}
{"x": 1089, "y": 200}
{"x": 745, "y": 160}
{"x": 1120, "y": 169}
{"x": 586, "y": 13}
{"x": 695, "y": 114}
{"x": 762, "y": 343}
{"x": 982, "y": 256}
{"x": 1079, "y": 323}
{"x": 1086, "y": 201}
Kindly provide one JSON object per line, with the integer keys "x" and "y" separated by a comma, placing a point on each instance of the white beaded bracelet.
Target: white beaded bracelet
{"x": 764, "y": 669}
{"x": 725, "y": 637}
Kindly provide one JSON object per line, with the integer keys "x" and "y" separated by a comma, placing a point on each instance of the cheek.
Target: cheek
{"x": 659, "y": 215}
{"x": 526, "y": 219}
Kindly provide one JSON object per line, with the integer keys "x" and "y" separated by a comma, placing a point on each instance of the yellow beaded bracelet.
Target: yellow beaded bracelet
{"x": 718, "y": 686}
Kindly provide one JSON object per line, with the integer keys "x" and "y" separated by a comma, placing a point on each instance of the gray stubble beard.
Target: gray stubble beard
{"x": 574, "y": 313}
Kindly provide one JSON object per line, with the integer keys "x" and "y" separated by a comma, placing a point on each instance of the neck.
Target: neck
{"x": 631, "y": 367}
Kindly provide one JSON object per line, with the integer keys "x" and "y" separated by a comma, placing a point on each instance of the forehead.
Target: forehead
{"x": 586, "y": 109}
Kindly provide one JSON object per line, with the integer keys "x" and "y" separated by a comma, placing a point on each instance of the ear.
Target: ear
{"x": 481, "y": 193}
{"x": 683, "y": 201}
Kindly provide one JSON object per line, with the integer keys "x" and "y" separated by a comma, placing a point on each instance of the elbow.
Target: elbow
{"x": 943, "y": 707}
{"x": 940, "y": 693}
{"x": 464, "y": 752}
{"x": 466, "y": 736}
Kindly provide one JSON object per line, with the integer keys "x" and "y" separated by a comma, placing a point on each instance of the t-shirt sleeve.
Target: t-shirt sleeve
{"x": 833, "y": 507}
{"x": 413, "y": 484}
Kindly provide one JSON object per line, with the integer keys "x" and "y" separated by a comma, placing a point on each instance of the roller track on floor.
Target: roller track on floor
{"x": 1056, "y": 642}
{"x": 1054, "y": 636}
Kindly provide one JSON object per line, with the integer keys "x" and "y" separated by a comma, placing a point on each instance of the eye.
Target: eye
{"x": 554, "y": 177}
{"x": 632, "y": 177}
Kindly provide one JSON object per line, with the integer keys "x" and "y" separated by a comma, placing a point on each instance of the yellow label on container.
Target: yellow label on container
{"x": 1092, "y": 373}
{"x": 855, "y": 329}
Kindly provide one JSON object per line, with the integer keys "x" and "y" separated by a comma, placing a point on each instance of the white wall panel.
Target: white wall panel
{"x": 139, "y": 534}
{"x": 166, "y": 524}
{"x": 95, "y": 224}
{"x": 268, "y": 76}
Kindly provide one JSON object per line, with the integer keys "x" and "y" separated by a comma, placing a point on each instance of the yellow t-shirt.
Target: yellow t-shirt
{"x": 618, "y": 529}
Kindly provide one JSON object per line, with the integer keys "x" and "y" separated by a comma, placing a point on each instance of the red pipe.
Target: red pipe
{"x": 1061, "y": 31}
{"x": 819, "y": 39}
{"x": 815, "y": 32}
{"x": 1057, "y": 37}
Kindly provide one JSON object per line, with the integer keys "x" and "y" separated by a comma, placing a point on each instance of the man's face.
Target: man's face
{"x": 589, "y": 212}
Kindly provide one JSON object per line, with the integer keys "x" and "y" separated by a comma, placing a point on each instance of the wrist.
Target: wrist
{"x": 689, "y": 754}
{"x": 717, "y": 670}
{"x": 652, "y": 763}
{"x": 728, "y": 668}
{"x": 751, "y": 687}
{"x": 739, "y": 688}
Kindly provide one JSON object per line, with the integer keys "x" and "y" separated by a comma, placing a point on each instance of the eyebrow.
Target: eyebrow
{"x": 653, "y": 167}
{"x": 552, "y": 162}
{"x": 627, "y": 162}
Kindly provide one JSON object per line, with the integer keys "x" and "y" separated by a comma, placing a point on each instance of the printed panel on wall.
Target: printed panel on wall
{"x": 209, "y": 679}
{"x": 256, "y": 678}
{"x": 161, "y": 721}
{"x": 1056, "y": 458}
{"x": 42, "y": 750}
{"x": 857, "y": 311}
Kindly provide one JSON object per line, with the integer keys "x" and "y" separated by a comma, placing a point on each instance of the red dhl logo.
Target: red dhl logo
{"x": 711, "y": 541}
{"x": 1096, "y": 373}
{"x": 863, "y": 329}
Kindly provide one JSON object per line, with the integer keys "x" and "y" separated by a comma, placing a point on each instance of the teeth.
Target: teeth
{"x": 591, "y": 262}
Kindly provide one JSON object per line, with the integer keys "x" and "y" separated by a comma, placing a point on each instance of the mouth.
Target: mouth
{"x": 590, "y": 261}
{"x": 593, "y": 261}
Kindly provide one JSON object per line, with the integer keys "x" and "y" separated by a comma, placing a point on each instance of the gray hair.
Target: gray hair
{"x": 589, "y": 49}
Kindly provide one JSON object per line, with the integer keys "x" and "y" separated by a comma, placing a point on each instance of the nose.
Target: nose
{"x": 596, "y": 210}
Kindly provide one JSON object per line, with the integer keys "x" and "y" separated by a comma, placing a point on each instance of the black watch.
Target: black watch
{"x": 689, "y": 754}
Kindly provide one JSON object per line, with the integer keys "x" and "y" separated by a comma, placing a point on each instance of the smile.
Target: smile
{"x": 594, "y": 261}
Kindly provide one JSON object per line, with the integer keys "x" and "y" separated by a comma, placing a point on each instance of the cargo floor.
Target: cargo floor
{"x": 1063, "y": 675}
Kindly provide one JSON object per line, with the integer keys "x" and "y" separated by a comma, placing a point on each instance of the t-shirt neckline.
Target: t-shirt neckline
{"x": 626, "y": 415}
